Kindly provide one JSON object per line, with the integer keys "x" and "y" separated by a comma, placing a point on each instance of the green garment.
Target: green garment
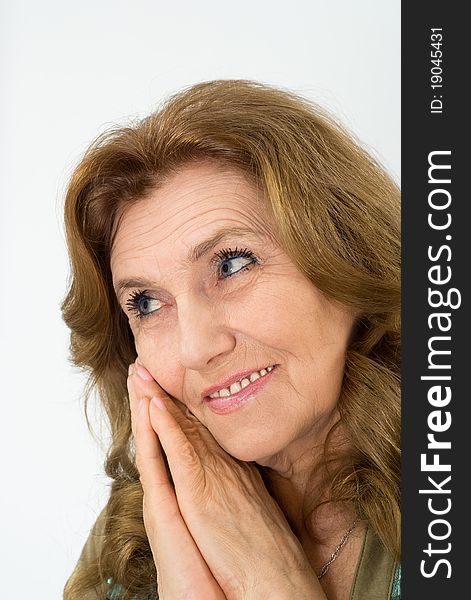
{"x": 377, "y": 576}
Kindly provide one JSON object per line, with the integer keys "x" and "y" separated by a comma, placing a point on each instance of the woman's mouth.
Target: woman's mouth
{"x": 225, "y": 404}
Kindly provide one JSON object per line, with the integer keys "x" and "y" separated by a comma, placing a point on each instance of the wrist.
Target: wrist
{"x": 302, "y": 585}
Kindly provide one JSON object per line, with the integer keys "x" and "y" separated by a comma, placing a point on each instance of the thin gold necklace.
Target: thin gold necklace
{"x": 337, "y": 550}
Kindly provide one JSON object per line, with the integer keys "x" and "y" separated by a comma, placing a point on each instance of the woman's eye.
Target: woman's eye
{"x": 231, "y": 261}
{"x": 141, "y": 304}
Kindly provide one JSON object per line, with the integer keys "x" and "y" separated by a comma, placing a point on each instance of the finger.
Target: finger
{"x": 149, "y": 388}
{"x": 183, "y": 459}
{"x": 150, "y": 461}
{"x": 132, "y": 399}
{"x": 174, "y": 549}
{"x": 201, "y": 437}
{"x": 146, "y": 384}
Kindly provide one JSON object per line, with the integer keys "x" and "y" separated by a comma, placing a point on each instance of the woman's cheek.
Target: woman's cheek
{"x": 162, "y": 366}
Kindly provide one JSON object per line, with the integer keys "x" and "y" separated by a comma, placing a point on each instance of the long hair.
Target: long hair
{"x": 338, "y": 217}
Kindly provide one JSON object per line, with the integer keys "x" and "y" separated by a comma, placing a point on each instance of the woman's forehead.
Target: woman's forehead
{"x": 197, "y": 197}
{"x": 191, "y": 212}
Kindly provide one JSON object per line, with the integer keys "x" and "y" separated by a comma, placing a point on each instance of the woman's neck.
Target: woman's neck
{"x": 322, "y": 532}
{"x": 299, "y": 481}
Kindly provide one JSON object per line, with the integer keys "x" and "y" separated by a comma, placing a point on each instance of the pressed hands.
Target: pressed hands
{"x": 214, "y": 530}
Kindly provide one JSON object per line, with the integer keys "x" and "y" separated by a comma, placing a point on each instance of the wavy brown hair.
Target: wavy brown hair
{"x": 338, "y": 217}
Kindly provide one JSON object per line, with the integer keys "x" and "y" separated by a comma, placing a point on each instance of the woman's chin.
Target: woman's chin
{"x": 248, "y": 452}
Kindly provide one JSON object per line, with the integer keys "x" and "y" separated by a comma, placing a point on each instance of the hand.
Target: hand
{"x": 240, "y": 530}
{"x": 182, "y": 573}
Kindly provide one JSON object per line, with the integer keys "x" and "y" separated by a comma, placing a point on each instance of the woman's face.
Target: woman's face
{"x": 239, "y": 305}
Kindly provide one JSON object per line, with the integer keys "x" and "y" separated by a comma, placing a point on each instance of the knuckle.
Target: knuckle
{"x": 188, "y": 455}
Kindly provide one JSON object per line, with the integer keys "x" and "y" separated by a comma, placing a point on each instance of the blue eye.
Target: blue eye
{"x": 226, "y": 256}
{"x": 141, "y": 304}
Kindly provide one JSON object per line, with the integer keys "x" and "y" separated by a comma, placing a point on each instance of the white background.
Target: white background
{"x": 68, "y": 71}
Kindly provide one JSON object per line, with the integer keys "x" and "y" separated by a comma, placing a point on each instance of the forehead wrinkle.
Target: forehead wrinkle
{"x": 205, "y": 188}
{"x": 208, "y": 187}
{"x": 245, "y": 217}
{"x": 236, "y": 224}
{"x": 240, "y": 221}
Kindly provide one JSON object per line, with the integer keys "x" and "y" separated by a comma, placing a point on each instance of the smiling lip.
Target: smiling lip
{"x": 228, "y": 404}
{"x": 230, "y": 380}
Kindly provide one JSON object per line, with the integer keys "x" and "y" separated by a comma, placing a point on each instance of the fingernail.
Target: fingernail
{"x": 131, "y": 369}
{"x": 158, "y": 402}
{"x": 143, "y": 373}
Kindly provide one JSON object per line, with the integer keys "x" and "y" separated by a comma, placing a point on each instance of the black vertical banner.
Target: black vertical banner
{"x": 436, "y": 439}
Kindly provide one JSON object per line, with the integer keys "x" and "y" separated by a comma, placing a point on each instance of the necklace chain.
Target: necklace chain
{"x": 337, "y": 550}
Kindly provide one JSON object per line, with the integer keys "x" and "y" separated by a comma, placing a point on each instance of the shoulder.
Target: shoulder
{"x": 88, "y": 559}
{"x": 92, "y": 547}
{"x": 378, "y": 576}
{"x": 90, "y": 556}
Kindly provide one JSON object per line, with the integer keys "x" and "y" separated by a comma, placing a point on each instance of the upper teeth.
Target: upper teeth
{"x": 240, "y": 385}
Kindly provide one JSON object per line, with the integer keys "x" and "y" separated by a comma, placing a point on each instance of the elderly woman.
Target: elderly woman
{"x": 235, "y": 298}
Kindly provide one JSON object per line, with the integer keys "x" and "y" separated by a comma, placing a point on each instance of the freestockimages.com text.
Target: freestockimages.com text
{"x": 442, "y": 299}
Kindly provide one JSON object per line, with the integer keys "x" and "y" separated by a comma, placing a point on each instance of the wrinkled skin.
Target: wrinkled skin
{"x": 240, "y": 531}
{"x": 200, "y": 327}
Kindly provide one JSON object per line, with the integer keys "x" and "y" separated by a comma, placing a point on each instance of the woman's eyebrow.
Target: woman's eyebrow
{"x": 194, "y": 254}
{"x": 205, "y": 246}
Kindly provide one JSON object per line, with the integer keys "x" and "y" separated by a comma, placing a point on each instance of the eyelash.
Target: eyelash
{"x": 225, "y": 254}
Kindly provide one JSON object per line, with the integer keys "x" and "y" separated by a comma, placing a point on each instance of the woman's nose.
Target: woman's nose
{"x": 203, "y": 331}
